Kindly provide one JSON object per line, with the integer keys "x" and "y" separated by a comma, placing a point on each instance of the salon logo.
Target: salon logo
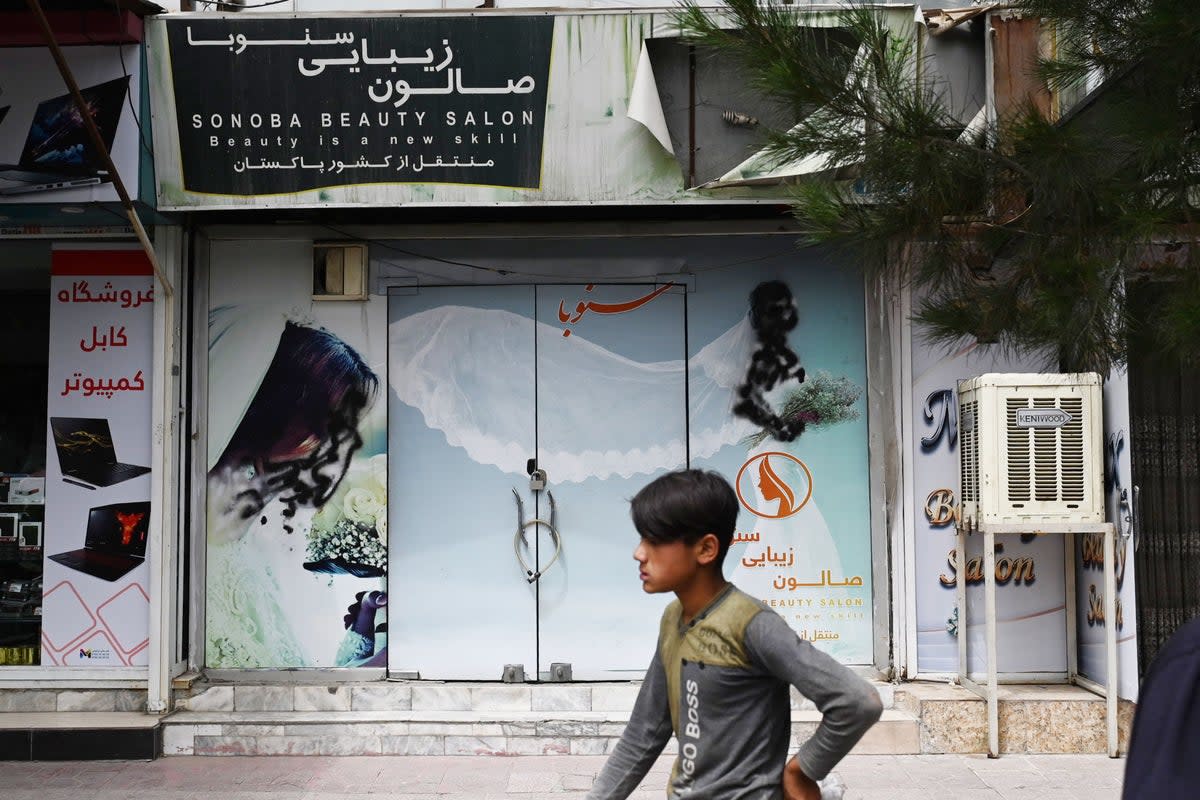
{"x": 774, "y": 485}
{"x": 95, "y": 653}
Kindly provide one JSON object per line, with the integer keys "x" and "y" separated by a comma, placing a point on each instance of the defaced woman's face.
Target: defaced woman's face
{"x": 302, "y": 468}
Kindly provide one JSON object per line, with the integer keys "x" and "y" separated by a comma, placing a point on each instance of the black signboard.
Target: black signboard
{"x": 272, "y": 106}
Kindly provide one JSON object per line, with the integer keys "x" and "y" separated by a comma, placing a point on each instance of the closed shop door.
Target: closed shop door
{"x": 584, "y": 382}
{"x": 597, "y": 454}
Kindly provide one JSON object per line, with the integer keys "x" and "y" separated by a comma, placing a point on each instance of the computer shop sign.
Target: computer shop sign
{"x": 95, "y": 603}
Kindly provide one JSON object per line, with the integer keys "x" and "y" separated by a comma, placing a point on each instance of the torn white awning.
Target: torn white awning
{"x": 761, "y": 169}
{"x": 645, "y": 106}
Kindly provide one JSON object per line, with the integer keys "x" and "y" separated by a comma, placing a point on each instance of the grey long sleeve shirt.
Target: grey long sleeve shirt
{"x": 720, "y": 684}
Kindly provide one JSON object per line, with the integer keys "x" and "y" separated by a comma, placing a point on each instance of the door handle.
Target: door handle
{"x": 519, "y": 540}
{"x": 1135, "y": 517}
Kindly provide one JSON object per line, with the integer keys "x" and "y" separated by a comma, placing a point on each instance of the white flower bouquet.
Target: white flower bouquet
{"x": 349, "y": 532}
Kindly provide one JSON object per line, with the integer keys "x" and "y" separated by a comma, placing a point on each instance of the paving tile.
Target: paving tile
{"x": 537, "y": 746}
{"x": 441, "y": 698}
{"x": 262, "y": 698}
{"x": 614, "y": 697}
{"x": 215, "y": 698}
{"x": 577, "y": 783}
{"x": 321, "y": 698}
{"x": 28, "y": 701}
{"x": 589, "y": 746}
{"x": 130, "y": 700}
{"x": 501, "y": 698}
{"x": 179, "y": 740}
{"x": 482, "y": 777}
{"x": 563, "y": 698}
{"x": 100, "y": 700}
{"x": 526, "y": 782}
{"x": 413, "y": 745}
{"x": 351, "y": 745}
{"x": 475, "y": 745}
{"x": 381, "y": 698}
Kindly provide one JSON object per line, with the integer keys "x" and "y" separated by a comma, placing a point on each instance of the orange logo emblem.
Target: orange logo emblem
{"x": 774, "y": 485}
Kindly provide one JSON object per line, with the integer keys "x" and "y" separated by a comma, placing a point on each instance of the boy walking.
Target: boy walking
{"x": 719, "y": 678}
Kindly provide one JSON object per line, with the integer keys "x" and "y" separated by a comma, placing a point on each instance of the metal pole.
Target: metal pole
{"x": 1110, "y": 635}
{"x": 163, "y": 483}
{"x": 98, "y": 143}
{"x": 989, "y": 605}
{"x": 1072, "y": 609}
{"x": 960, "y": 593}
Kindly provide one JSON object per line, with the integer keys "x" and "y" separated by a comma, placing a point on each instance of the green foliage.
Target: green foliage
{"x": 1023, "y": 232}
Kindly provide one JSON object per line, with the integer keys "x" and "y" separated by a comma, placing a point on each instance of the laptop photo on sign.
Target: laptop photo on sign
{"x": 86, "y": 455}
{"x": 115, "y": 543}
{"x": 58, "y": 152}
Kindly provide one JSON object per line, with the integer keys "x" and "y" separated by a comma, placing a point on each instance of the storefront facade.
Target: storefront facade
{"x": 88, "y": 486}
{"x": 449, "y": 290}
{"x": 600, "y": 354}
{"x": 478, "y": 366}
{"x": 476, "y": 380}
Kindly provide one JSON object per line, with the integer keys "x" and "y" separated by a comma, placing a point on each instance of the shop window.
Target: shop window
{"x": 24, "y": 324}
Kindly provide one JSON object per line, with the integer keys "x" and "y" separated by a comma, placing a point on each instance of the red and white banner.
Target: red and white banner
{"x": 95, "y": 607}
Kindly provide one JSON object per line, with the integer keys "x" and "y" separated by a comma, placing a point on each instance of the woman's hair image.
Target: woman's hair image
{"x": 301, "y": 428}
{"x": 775, "y": 488}
{"x": 772, "y": 315}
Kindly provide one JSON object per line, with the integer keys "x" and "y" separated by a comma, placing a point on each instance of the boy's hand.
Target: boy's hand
{"x": 797, "y": 785}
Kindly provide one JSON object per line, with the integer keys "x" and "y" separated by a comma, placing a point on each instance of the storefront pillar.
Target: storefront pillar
{"x": 164, "y": 483}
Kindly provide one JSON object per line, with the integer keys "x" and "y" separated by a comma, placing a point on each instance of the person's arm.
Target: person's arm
{"x": 645, "y": 736}
{"x": 848, "y": 704}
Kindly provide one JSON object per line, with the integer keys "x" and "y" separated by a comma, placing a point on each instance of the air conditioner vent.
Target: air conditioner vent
{"x": 339, "y": 271}
{"x": 1032, "y": 451}
{"x": 969, "y": 452}
{"x": 1020, "y": 480}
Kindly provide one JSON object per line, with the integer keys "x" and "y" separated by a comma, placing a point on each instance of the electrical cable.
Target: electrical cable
{"x": 239, "y": 6}
{"x": 503, "y": 272}
{"x": 129, "y": 96}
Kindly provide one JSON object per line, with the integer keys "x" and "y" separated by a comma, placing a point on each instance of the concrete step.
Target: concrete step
{"x": 436, "y": 732}
{"x": 428, "y": 718}
{"x": 1033, "y": 718}
{"x": 79, "y": 736}
{"x": 431, "y": 696}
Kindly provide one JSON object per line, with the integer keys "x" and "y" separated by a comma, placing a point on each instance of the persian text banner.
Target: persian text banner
{"x": 278, "y": 106}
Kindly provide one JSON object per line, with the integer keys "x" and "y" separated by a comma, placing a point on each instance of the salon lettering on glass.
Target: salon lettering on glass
{"x": 1095, "y": 613}
{"x": 941, "y": 411}
{"x": 1021, "y": 570}
{"x": 940, "y": 507}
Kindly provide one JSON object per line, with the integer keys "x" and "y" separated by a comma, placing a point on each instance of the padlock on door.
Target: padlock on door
{"x": 537, "y": 480}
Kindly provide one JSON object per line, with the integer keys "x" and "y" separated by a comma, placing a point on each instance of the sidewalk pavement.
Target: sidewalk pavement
{"x": 927, "y": 777}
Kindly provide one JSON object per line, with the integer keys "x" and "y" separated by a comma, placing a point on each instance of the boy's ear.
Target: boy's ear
{"x": 707, "y": 549}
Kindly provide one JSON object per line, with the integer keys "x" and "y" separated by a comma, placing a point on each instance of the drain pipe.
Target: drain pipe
{"x": 98, "y": 143}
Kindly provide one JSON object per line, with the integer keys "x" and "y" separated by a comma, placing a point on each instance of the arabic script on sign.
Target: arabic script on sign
{"x": 584, "y": 306}
{"x": 354, "y": 59}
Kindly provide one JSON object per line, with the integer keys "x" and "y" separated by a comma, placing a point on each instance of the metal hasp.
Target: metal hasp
{"x": 989, "y": 691}
{"x": 519, "y": 540}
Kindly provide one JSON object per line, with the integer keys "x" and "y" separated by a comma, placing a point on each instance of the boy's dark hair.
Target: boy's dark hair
{"x": 684, "y": 506}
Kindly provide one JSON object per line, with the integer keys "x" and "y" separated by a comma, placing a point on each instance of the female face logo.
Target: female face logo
{"x": 783, "y": 483}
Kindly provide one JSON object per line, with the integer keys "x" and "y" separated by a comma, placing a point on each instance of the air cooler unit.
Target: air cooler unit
{"x": 1030, "y": 449}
